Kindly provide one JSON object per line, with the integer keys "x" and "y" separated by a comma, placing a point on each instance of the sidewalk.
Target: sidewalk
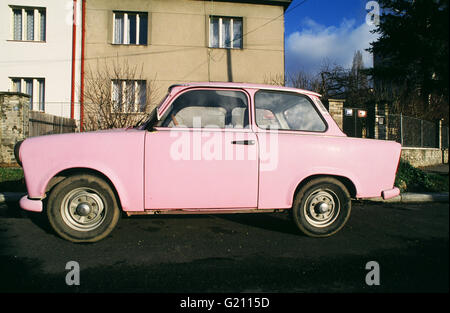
{"x": 407, "y": 197}
{"x": 413, "y": 197}
{"x": 436, "y": 169}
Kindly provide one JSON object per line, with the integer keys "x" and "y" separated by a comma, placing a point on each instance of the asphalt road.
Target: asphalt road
{"x": 233, "y": 253}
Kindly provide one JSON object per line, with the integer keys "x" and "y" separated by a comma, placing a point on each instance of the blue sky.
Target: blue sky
{"x": 330, "y": 31}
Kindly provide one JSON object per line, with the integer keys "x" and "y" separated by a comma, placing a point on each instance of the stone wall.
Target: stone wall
{"x": 335, "y": 107}
{"x": 14, "y": 123}
{"x": 420, "y": 157}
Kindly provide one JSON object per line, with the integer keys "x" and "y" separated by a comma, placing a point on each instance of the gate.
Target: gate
{"x": 355, "y": 122}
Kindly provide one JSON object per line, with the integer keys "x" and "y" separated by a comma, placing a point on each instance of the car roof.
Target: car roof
{"x": 244, "y": 85}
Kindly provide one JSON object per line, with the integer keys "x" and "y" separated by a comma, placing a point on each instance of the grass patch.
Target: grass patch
{"x": 412, "y": 179}
{"x": 11, "y": 179}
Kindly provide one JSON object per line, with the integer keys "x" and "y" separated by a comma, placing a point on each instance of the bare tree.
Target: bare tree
{"x": 300, "y": 79}
{"x": 116, "y": 95}
{"x": 305, "y": 80}
{"x": 276, "y": 80}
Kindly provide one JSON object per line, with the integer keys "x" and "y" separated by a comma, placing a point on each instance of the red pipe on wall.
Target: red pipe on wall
{"x": 74, "y": 41}
{"x": 83, "y": 38}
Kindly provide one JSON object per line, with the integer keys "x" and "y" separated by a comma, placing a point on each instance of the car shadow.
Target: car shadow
{"x": 12, "y": 210}
{"x": 277, "y": 222}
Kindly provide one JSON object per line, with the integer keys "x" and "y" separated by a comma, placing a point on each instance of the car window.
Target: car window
{"x": 287, "y": 111}
{"x": 208, "y": 109}
{"x": 266, "y": 119}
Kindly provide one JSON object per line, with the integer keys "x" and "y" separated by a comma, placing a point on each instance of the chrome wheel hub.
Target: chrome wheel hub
{"x": 82, "y": 209}
{"x": 321, "y": 208}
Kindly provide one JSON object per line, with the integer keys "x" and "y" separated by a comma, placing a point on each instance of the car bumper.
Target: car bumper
{"x": 33, "y": 205}
{"x": 391, "y": 193}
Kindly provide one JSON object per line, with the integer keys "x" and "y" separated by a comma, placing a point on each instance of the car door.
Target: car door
{"x": 202, "y": 153}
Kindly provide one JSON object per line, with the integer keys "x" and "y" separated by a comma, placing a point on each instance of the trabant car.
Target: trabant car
{"x": 209, "y": 148}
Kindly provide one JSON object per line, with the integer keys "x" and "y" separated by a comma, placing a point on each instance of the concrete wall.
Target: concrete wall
{"x": 178, "y": 39}
{"x": 424, "y": 156}
{"x": 13, "y": 124}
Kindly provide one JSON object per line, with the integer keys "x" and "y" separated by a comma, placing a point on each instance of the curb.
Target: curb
{"x": 11, "y": 196}
{"x": 412, "y": 197}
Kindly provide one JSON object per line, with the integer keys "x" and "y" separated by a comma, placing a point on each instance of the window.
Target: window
{"x": 287, "y": 111}
{"x": 34, "y": 87}
{"x": 130, "y": 28}
{"x": 225, "y": 32}
{"x": 208, "y": 109}
{"x": 28, "y": 24}
{"x": 41, "y": 100}
{"x": 129, "y": 96}
{"x": 16, "y": 84}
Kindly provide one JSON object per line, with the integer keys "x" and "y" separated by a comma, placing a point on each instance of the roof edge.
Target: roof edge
{"x": 284, "y": 3}
{"x": 243, "y": 86}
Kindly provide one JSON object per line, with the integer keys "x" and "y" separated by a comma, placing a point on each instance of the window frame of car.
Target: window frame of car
{"x": 307, "y": 97}
{"x": 164, "y": 115}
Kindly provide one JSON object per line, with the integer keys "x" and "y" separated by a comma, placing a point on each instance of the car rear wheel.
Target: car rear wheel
{"x": 83, "y": 208}
{"x": 322, "y": 207}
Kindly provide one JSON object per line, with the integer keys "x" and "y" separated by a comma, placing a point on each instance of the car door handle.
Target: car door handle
{"x": 243, "y": 142}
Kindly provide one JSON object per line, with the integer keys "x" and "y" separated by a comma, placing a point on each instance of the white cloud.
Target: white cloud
{"x": 309, "y": 48}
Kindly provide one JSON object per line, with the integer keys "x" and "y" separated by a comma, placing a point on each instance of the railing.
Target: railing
{"x": 414, "y": 132}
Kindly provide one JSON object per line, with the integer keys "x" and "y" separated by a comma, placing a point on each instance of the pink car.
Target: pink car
{"x": 209, "y": 148}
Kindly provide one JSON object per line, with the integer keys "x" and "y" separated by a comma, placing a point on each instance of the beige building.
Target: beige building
{"x": 176, "y": 41}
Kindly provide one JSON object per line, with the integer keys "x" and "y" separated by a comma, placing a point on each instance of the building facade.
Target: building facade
{"x": 45, "y": 54}
{"x": 36, "y": 53}
{"x": 176, "y": 41}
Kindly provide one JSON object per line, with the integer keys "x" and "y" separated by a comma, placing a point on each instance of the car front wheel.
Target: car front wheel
{"x": 322, "y": 207}
{"x": 82, "y": 208}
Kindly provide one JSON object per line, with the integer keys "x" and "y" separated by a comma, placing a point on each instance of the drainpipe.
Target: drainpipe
{"x": 74, "y": 40}
{"x": 83, "y": 39}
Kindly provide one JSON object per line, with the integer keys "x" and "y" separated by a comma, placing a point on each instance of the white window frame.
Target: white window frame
{"x": 221, "y": 41}
{"x": 126, "y": 26}
{"x": 135, "y": 107}
{"x": 35, "y": 101}
{"x": 37, "y": 12}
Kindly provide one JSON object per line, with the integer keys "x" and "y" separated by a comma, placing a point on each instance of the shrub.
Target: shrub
{"x": 412, "y": 179}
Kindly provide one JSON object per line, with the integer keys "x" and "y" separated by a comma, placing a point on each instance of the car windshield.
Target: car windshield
{"x": 148, "y": 121}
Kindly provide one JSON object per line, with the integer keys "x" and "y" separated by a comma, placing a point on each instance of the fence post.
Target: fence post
{"x": 421, "y": 133}
{"x": 401, "y": 129}
{"x": 440, "y": 141}
{"x": 386, "y": 120}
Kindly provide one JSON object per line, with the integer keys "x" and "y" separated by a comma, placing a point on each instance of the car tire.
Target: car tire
{"x": 321, "y": 207}
{"x": 82, "y": 208}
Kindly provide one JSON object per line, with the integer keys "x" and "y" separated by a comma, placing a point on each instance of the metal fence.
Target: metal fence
{"x": 414, "y": 132}
{"x": 444, "y": 137}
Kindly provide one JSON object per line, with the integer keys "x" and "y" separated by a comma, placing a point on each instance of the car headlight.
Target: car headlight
{"x": 16, "y": 151}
